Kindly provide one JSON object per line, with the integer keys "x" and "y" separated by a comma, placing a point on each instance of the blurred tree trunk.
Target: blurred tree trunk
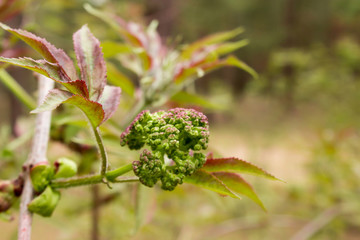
{"x": 166, "y": 12}
{"x": 95, "y": 212}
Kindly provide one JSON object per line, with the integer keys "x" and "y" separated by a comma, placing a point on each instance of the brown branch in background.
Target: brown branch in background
{"x": 95, "y": 212}
{"x": 317, "y": 224}
{"x": 37, "y": 154}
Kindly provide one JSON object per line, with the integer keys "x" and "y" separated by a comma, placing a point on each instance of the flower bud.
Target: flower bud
{"x": 45, "y": 203}
{"x": 65, "y": 168}
{"x": 41, "y": 175}
{"x": 7, "y": 196}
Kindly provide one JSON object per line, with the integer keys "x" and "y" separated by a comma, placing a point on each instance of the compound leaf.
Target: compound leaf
{"x": 47, "y": 50}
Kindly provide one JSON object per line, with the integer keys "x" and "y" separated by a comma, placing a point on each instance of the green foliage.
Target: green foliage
{"x": 176, "y": 138}
{"x": 163, "y": 71}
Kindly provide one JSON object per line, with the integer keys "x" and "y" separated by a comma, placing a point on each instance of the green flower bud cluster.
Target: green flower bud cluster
{"x": 175, "y": 137}
{"x": 41, "y": 176}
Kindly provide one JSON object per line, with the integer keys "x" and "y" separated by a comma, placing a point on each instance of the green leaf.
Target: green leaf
{"x": 110, "y": 100}
{"x": 45, "y": 203}
{"x": 209, "y": 40}
{"x": 230, "y": 47}
{"x": 188, "y": 98}
{"x": 117, "y": 78}
{"x": 53, "y": 99}
{"x": 111, "y": 49}
{"x": 229, "y": 61}
{"x": 235, "y": 165}
{"x": 93, "y": 110}
{"x": 237, "y": 184}
{"x": 234, "y": 61}
{"x": 47, "y": 50}
{"x": 91, "y": 61}
{"x": 210, "y": 63}
{"x": 211, "y": 182}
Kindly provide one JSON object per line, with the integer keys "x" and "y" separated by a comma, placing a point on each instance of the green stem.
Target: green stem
{"x": 103, "y": 155}
{"x": 17, "y": 90}
{"x": 95, "y": 179}
{"x": 112, "y": 175}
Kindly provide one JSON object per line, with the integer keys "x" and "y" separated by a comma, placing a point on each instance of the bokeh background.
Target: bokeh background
{"x": 299, "y": 120}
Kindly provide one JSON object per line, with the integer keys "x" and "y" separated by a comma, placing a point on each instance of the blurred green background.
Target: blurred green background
{"x": 299, "y": 120}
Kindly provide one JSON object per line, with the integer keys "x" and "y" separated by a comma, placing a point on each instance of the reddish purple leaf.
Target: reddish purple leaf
{"x": 235, "y": 165}
{"x": 237, "y": 184}
{"x": 50, "y": 70}
{"x": 91, "y": 109}
{"x": 91, "y": 62}
{"x": 110, "y": 100}
{"x": 147, "y": 40}
{"x": 211, "y": 182}
{"x": 77, "y": 87}
{"x": 47, "y": 50}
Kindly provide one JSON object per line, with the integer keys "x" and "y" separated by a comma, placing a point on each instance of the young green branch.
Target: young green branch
{"x": 17, "y": 90}
{"x": 111, "y": 176}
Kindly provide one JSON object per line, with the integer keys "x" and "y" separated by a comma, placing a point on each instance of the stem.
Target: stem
{"x": 103, "y": 155}
{"x": 37, "y": 154}
{"x": 16, "y": 89}
{"x": 95, "y": 179}
{"x": 112, "y": 175}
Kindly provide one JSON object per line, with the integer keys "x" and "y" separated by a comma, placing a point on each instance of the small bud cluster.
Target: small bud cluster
{"x": 9, "y": 192}
{"x": 175, "y": 137}
{"x": 41, "y": 176}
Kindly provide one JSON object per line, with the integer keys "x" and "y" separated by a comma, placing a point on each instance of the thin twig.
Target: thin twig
{"x": 37, "y": 154}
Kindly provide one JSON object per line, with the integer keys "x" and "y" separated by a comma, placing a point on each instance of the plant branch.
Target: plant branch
{"x": 16, "y": 89}
{"x": 318, "y": 223}
{"x": 37, "y": 154}
{"x": 111, "y": 176}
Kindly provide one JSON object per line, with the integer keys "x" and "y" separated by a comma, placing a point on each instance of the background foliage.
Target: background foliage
{"x": 299, "y": 120}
